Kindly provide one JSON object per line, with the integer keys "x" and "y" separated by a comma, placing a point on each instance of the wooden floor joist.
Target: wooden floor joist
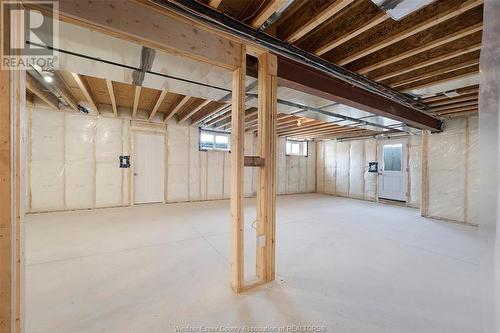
{"x": 318, "y": 19}
{"x": 428, "y": 46}
{"x": 429, "y": 62}
{"x": 392, "y": 39}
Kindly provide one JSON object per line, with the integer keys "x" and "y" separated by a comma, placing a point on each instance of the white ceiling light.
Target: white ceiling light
{"x": 398, "y": 9}
{"x": 47, "y": 76}
{"x": 452, "y": 93}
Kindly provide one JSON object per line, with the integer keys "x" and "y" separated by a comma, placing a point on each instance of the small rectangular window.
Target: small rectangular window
{"x": 392, "y": 157}
{"x": 211, "y": 140}
{"x": 296, "y": 147}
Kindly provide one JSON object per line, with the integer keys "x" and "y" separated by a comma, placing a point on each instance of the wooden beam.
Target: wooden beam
{"x": 449, "y": 101}
{"x": 224, "y": 116}
{"x": 424, "y": 179}
{"x": 307, "y": 128}
{"x": 12, "y": 95}
{"x": 145, "y": 23}
{"x": 302, "y": 78}
{"x": 214, "y": 3}
{"x": 392, "y": 39}
{"x": 331, "y": 128}
{"x": 198, "y": 120}
{"x": 158, "y": 102}
{"x": 376, "y": 20}
{"x": 324, "y": 132}
{"x": 318, "y": 19}
{"x": 176, "y": 109}
{"x": 429, "y": 62}
{"x": 254, "y": 161}
{"x": 468, "y": 112}
{"x": 33, "y": 86}
{"x": 63, "y": 90}
{"x": 111, "y": 93}
{"x": 137, "y": 96}
{"x": 85, "y": 90}
{"x": 461, "y": 91}
{"x": 436, "y": 72}
{"x": 272, "y": 7}
{"x": 192, "y": 112}
{"x": 228, "y": 121}
{"x": 452, "y": 76}
{"x": 457, "y": 106}
{"x": 237, "y": 174}
{"x": 426, "y": 47}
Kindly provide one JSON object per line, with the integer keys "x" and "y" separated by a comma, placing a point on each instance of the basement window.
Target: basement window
{"x": 296, "y": 148}
{"x": 212, "y": 140}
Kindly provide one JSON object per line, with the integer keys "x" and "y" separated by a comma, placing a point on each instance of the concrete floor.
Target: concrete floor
{"x": 347, "y": 265}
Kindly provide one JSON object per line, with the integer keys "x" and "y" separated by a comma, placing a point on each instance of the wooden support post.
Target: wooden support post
{"x": 12, "y": 93}
{"x": 12, "y": 98}
{"x": 424, "y": 187}
{"x": 237, "y": 173}
{"x": 266, "y": 192}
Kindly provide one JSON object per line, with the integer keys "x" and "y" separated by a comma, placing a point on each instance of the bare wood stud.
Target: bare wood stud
{"x": 237, "y": 174}
{"x": 111, "y": 93}
{"x": 157, "y": 104}
{"x": 137, "y": 95}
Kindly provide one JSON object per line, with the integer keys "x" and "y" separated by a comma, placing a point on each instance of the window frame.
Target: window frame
{"x": 304, "y": 143}
{"x": 215, "y": 134}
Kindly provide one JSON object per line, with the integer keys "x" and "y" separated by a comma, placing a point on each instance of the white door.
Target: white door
{"x": 149, "y": 168}
{"x": 393, "y": 169}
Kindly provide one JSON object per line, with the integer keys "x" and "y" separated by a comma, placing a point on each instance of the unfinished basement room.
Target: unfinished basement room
{"x": 250, "y": 166}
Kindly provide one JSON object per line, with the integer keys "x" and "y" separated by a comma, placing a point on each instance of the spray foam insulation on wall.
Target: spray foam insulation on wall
{"x": 73, "y": 163}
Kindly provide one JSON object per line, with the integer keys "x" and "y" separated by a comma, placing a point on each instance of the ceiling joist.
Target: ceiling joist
{"x": 392, "y": 39}
{"x": 84, "y": 88}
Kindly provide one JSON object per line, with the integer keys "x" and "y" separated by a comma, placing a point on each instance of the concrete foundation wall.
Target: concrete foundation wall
{"x": 74, "y": 163}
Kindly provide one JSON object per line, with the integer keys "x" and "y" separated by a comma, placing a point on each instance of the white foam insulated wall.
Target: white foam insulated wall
{"x": 342, "y": 168}
{"x": 453, "y": 170}
{"x": 296, "y": 174}
{"x": 73, "y": 163}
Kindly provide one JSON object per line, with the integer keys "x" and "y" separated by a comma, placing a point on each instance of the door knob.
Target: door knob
{"x": 135, "y": 173}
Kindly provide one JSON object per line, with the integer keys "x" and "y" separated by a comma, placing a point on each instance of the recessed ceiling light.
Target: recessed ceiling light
{"x": 398, "y": 9}
{"x": 48, "y": 78}
{"x": 452, "y": 93}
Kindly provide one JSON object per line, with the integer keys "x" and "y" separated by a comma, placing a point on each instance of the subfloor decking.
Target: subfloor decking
{"x": 350, "y": 265}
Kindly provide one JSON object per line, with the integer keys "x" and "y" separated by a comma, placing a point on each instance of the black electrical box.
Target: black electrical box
{"x": 125, "y": 161}
{"x": 372, "y": 166}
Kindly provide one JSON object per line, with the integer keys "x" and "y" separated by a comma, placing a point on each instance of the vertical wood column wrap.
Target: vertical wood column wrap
{"x": 424, "y": 187}
{"x": 237, "y": 173}
{"x": 12, "y": 97}
{"x": 266, "y": 193}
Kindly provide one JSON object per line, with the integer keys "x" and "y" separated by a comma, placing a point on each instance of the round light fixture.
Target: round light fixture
{"x": 48, "y": 78}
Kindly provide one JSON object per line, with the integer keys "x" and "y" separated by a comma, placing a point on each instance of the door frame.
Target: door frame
{"x": 404, "y": 167}
{"x": 152, "y": 131}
